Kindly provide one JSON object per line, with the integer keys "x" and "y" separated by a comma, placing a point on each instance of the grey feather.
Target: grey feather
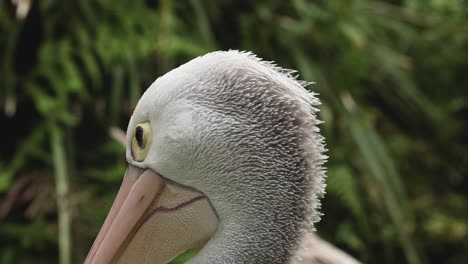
{"x": 244, "y": 132}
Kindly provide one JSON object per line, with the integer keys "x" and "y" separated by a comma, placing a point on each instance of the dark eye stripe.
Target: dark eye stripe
{"x": 139, "y": 137}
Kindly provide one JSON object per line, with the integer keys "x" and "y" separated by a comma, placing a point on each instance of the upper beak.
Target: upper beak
{"x": 152, "y": 221}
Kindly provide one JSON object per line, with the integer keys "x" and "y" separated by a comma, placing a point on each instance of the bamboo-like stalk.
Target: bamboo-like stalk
{"x": 61, "y": 183}
{"x": 384, "y": 173}
{"x": 202, "y": 22}
{"x": 116, "y": 96}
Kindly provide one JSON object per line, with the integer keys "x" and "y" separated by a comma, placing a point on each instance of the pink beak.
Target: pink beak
{"x": 144, "y": 207}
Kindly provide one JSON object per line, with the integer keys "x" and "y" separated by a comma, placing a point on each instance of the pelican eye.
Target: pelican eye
{"x": 141, "y": 142}
{"x": 139, "y": 137}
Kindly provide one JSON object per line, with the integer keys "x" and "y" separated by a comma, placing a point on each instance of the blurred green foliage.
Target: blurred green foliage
{"x": 392, "y": 76}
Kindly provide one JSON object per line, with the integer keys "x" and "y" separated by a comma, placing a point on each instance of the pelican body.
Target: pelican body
{"x": 225, "y": 154}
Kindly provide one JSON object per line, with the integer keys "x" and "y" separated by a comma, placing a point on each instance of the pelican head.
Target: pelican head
{"x": 224, "y": 153}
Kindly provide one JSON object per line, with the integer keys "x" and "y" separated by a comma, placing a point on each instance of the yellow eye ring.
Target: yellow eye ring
{"x": 141, "y": 141}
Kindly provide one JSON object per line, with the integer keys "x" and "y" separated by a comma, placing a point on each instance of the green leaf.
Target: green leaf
{"x": 186, "y": 256}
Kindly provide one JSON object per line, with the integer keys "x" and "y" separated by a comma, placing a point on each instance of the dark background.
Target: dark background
{"x": 392, "y": 76}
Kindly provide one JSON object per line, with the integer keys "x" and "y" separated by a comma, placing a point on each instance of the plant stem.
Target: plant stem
{"x": 61, "y": 183}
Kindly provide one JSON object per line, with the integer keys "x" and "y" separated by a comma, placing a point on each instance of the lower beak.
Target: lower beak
{"x": 152, "y": 221}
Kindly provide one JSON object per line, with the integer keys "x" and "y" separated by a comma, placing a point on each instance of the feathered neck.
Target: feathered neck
{"x": 257, "y": 155}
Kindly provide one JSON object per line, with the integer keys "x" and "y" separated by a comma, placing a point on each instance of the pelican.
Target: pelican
{"x": 224, "y": 154}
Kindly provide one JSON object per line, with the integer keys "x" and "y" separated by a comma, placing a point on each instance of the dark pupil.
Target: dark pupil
{"x": 139, "y": 136}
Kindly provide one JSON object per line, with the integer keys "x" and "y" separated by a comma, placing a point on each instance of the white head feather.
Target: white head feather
{"x": 244, "y": 132}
